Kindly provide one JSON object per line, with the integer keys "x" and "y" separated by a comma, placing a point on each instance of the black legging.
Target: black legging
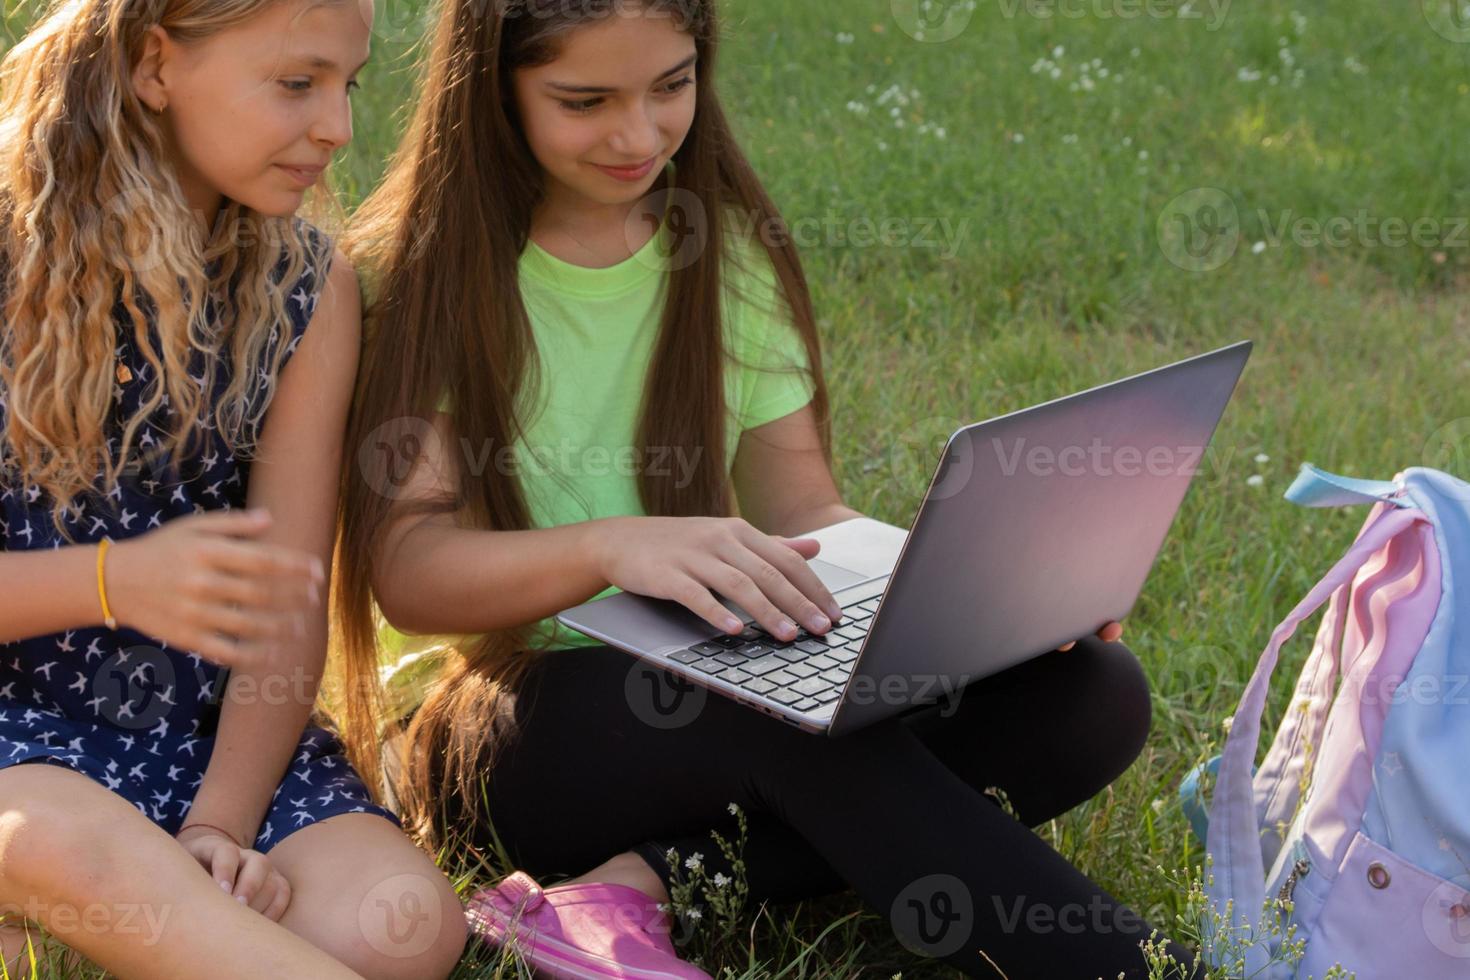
{"x": 897, "y": 810}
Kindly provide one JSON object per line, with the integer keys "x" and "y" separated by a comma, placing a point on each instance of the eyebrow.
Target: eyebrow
{"x": 600, "y": 90}
{"x": 327, "y": 64}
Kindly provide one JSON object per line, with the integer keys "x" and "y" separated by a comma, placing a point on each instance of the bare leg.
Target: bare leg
{"x": 363, "y": 892}
{"x": 626, "y": 869}
{"x": 108, "y": 882}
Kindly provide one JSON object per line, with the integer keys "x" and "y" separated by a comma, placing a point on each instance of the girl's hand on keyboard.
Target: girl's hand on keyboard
{"x": 687, "y": 559}
{"x": 1107, "y": 634}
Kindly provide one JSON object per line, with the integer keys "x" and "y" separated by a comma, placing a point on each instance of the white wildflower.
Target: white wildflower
{"x": 1256, "y": 480}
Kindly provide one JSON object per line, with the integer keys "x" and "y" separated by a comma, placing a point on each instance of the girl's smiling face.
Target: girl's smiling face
{"x": 615, "y": 105}
{"x": 255, "y": 112}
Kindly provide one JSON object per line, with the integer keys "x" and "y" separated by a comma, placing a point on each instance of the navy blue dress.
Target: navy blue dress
{"x": 123, "y": 708}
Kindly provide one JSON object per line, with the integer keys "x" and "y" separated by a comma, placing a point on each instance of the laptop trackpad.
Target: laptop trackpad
{"x": 835, "y": 577}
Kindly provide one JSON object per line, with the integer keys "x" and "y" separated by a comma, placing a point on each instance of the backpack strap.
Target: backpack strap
{"x": 1315, "y": 487}
{"x": 1239, "y": 874}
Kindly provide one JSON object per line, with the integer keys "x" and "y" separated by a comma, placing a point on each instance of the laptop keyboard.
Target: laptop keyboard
{"x": 803, "y": 673}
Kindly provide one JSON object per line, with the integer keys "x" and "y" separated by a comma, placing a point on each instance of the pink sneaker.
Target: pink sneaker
{"x": 580, "y": 931}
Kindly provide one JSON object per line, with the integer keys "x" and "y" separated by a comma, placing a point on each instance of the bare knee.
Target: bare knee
{"x": 397, "y": 918}
{"x": 408, "y": 927}
{"x": 59, "y": 837}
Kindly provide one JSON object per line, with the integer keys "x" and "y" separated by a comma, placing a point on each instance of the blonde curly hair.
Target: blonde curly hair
{"x": 98, "y": 246}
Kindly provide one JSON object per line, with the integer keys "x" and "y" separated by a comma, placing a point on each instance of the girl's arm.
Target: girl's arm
{"x": 782, "y": 481}
{"x": 43, "y": 592}
{"x": 295, "y": 476}
{"x": 432, "y": 575}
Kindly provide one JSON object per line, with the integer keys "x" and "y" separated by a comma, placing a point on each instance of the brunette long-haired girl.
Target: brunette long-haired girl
{"x": 571, "y": 248}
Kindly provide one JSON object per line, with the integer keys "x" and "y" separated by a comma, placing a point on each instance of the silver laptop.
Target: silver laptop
{"x": 1038, "y": 528}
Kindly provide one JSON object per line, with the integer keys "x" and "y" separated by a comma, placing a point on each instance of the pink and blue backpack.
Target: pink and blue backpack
{"x": 1359, "y": 814}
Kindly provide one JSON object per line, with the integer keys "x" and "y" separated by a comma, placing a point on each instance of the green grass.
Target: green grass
{"x": 1060, "y": 281}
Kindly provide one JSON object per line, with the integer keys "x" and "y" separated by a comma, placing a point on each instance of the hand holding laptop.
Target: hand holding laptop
{"x": 686, "y": 559}
{"x": 1111, "y": 631}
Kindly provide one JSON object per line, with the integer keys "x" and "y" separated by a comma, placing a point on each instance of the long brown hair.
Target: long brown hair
{"x": 440, "y": 241}
{"x": 92, "y": 217}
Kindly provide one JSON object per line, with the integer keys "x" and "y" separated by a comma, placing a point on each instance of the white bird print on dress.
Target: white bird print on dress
{"x": 113, "y": 783}
{"x": 64, "y": 645}
{"x": 94, "y": 649}
{"x": 80, "y": 686}
{"x": 98, "y": 524}
{"x": 128, "y": 517}
{"x": 45, "y": 669}
{"x": 173, "y": 773}
{"x": 178, "y": 495}
{"x": 137, "y": 771}
{"x": 96, "y": 705}
{"x": 27, "y": 532}
{"x": 127, "y": 742}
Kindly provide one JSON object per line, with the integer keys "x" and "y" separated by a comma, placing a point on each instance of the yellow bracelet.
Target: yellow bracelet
{"x": 107, "y": 616}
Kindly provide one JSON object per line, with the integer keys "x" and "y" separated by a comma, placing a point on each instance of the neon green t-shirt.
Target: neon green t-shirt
{"x": 594, "y": 330}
